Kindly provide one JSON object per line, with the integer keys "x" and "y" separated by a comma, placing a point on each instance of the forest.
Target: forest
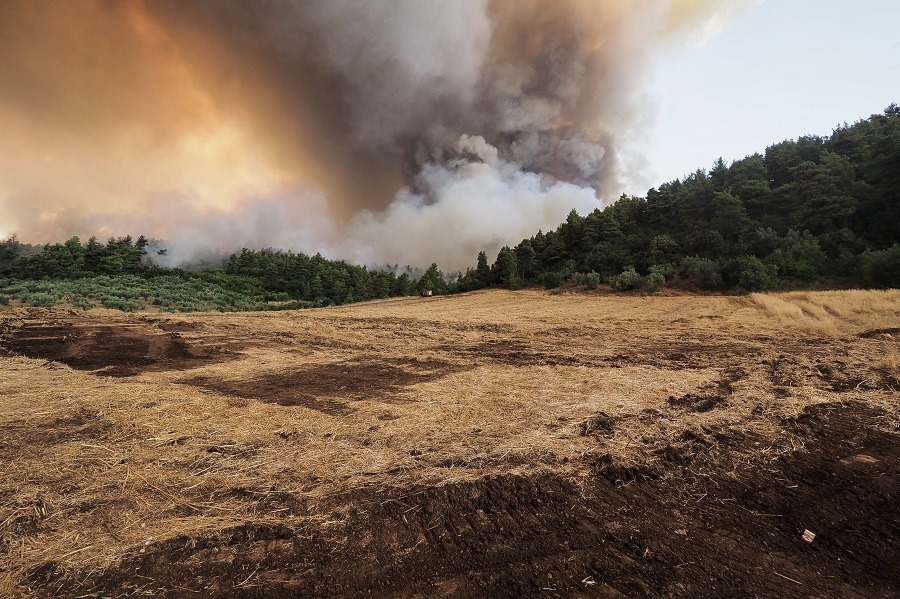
{"x": 816, "y": 212}
{"x": 119, "y": 274}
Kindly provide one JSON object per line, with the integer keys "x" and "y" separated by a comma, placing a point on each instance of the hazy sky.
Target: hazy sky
{"x": 783, "y": 69}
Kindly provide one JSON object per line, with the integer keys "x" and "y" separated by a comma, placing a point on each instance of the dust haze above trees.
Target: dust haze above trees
{"x": 812, "y": 212}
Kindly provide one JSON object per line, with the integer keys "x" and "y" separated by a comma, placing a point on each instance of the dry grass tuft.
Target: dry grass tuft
{"x": 833, "y": 312}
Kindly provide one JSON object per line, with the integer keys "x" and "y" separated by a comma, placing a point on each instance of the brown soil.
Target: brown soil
{"x": 515, "y": 354}
{"x": 889, "y": 333}
{"x": 711, "y": 396}
{"x": 117, "y": 349}
{"x": 715, "y": 535}
{"x": 495, "y": 444}
{"x": 330, "y": 388}
{"x": 83, "y": 425}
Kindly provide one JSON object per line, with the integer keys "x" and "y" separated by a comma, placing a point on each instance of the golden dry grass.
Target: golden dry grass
{"x": 832, "y": 312}
{"x": 95, "y": 467}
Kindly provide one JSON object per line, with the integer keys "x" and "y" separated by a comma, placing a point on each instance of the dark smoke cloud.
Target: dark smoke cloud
{"x": 377, "y": 130}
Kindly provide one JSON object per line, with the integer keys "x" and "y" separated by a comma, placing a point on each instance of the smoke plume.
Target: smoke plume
{"x": 403, "y": 131}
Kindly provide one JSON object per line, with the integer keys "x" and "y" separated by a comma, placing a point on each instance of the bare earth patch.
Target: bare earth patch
{"x": 492, "y": 444}
{"x": 123, "y": 348}
{"x": 330, "y": 388}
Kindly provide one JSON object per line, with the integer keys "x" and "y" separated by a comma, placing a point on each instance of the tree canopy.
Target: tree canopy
{"x": 812, "y": 211}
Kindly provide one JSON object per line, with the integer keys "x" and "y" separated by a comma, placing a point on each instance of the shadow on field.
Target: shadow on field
{"x": 331, "y": 387}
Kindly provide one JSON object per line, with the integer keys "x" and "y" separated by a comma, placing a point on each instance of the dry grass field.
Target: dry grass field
{"x": 510, "y": 444}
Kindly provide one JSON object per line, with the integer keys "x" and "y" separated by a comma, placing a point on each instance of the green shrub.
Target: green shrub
{"x": 882, "y": 269}
{"x": 591, "y": 280}
{"x": 4, "y": 300}
{"x": 627, "y": 279}
{"x": 83, "y": 303}
{"x": 171, "y": 293}
{"x": 42, "y": 300}
{"x": 667, "y": 270}
{"x": 119, "y": 303}
{"x": 754, "y": 275}
{"x": 799, "y": 260}
{"x": 847, "y": 264}
{"x": 703, "y": 272}
{"x": 551, "y": 280}
{"x": 654, "y": 281}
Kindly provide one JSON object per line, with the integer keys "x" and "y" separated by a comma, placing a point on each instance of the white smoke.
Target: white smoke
{"x": 437, "y": 224}
{"x": 434, "y": 224}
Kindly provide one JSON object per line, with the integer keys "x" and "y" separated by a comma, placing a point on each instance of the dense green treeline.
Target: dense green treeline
{"x": 117, "y": 274}
{"x": 72, "y": 259}
{"x": 811, "y": 212}
{"x": 289, "y": 275}
{"x": 168, "y": 292}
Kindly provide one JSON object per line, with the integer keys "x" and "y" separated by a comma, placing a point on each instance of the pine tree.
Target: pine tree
{"x": 506, "y": 269}
{"x": 482, "y": 271}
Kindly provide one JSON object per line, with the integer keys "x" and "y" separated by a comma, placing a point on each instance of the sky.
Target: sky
{"x": 783, "y": 69}
{"x": 402, "y": 131}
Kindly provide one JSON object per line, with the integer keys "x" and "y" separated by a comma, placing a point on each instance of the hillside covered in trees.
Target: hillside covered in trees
{"x": 818, "y": 211}
{"x": 815, "y": 212}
